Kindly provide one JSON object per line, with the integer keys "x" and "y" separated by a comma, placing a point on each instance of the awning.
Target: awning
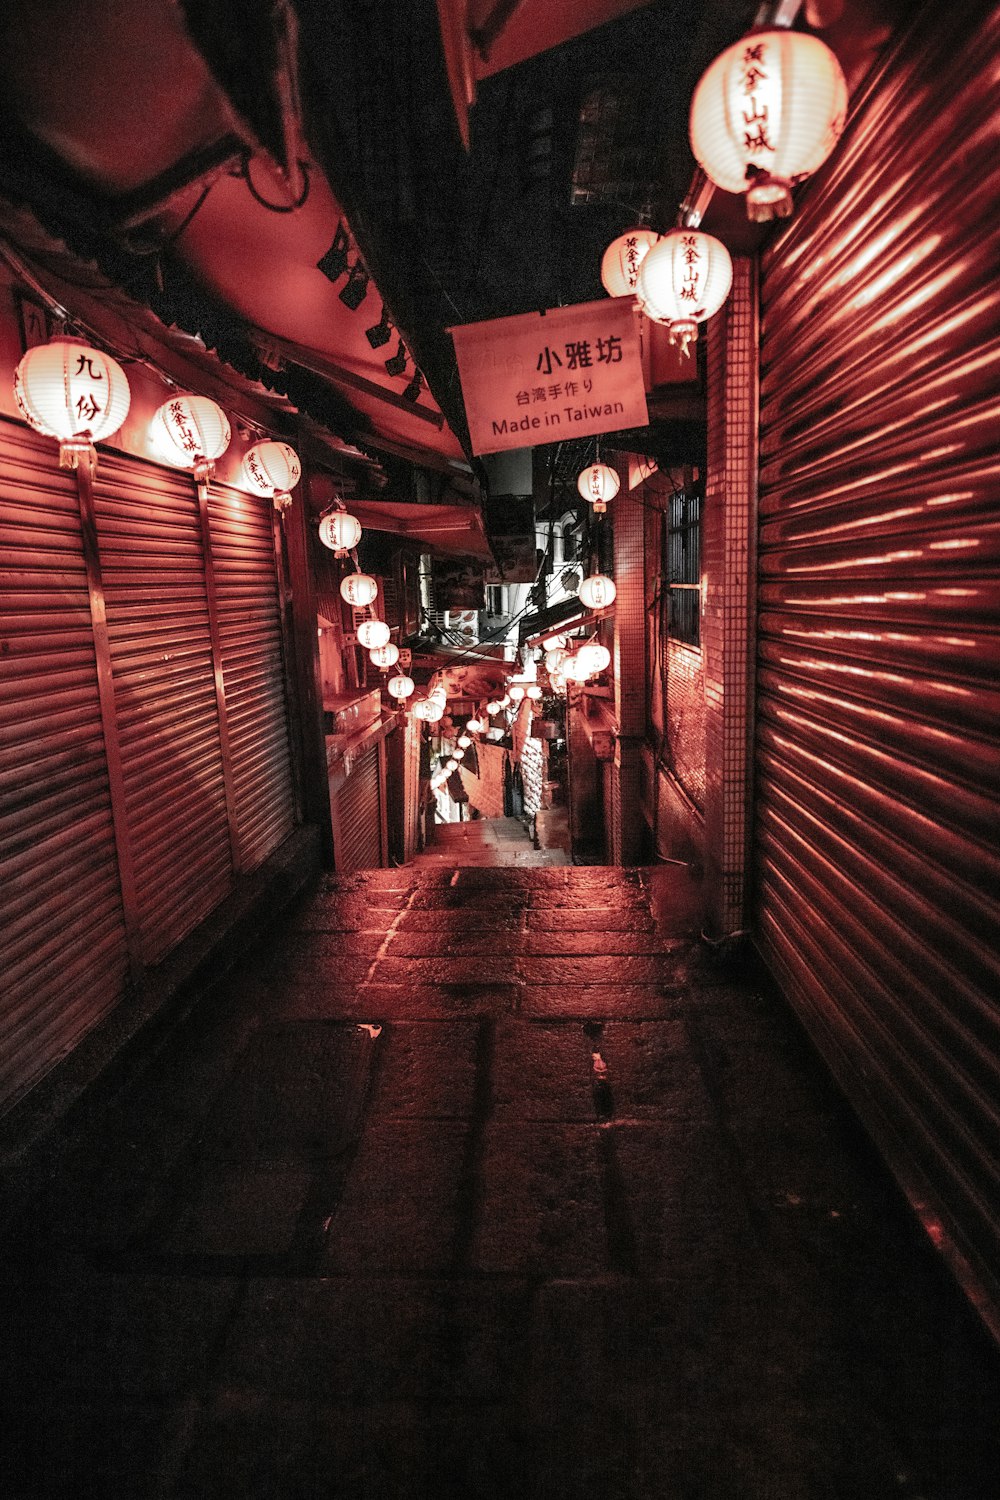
{"x": 454, "y": 529}
{"x": 568, "y": 614}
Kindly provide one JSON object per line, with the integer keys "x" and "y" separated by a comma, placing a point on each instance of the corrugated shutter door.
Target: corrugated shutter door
{"x": 878, "y": 773}
{"x": 253, "y": 671}
{"x": 63, "y": 954}
{"x": 357, "y": 830}
{"x": 152, "y": 561}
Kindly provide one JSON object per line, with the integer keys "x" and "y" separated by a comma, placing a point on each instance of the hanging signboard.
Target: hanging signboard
{"x": 545, "y": 377}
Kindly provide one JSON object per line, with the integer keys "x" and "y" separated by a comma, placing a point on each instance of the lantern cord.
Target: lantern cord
{"x": 243, "y": 171}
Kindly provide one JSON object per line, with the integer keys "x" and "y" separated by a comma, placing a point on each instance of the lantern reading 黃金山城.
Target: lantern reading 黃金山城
{"x": 766, "y": 113}
{"x": 373, "y": 633}
{"x": 592, "y": 658}
{"x": 385, "y": 656}
{"x": 359, "y": 589}
{"x": 621, "y": 261}
{"x": 190, "y": 432}
{"x": 597, "y": 592}
{"x": 340, "y": 532}
{"x": 272, "y": 469}
{"x": 400, "y": 687}
{"x": 684, "y": 280}
{"x": 598, "y": 483}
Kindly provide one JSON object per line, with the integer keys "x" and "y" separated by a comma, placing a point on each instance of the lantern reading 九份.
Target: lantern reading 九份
{"x": 766, "y": 113}
{"x": 69, "y": 391}
{"x": 684, "y": 280}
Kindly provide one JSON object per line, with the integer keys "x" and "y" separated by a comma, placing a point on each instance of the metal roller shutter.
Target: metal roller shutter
{"x": 246, "y": 590}
{"x": 152, "y": 560}
{"x": 878, "y": 712}
{"x": 63, "y": 950}
{"x": 358, "y": 817}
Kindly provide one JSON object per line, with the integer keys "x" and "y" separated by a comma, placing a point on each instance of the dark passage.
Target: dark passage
{"x": 475, "y": 1183}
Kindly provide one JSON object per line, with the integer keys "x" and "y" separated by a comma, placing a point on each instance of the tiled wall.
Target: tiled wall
{"x": 727, "y": 561}
{"x": 629, "y": 665}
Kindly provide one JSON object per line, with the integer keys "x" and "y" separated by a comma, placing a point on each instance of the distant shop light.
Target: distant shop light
{"x": 684, "y": 280}
{"x": 767, "y": 113}
{"x": 373, "y": 634}
{"x": 191, "y": 432}
{"x": 598, "y": 483}
{"x": 622, "y": 259}
{"x": 69, "y": 391}
{"x": 597, "y": 592}
{"x": 340, "y": 532}
{"x": 359, "y": 590}
{"x": 272, "y": 470}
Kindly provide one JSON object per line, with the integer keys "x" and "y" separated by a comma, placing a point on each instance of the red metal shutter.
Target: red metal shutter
{"x": 152, "y": 560}
{"x": 253, "y": 666}
{"x": 63, "y": 953}
{"x": 358, "y": 817}
{"x": 877, "y": 772}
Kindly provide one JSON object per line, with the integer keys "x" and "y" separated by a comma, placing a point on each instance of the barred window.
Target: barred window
{"x": 682, "y": 566}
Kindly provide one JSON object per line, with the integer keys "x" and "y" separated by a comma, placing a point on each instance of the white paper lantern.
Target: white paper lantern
{"x": 190, "y": 432}
{"x": 516, "y": 693}
{"x": 400, "y": 687}
{"x": 622, "y": 259}
{"x": 598, "y": 483}
{"x": 573, "y": 669}
{"x": 474, "y": 726}
{"x": 493, "y": 707}
{"x": 428, "y": 710}
{"x": 67, "y": 390}
{"x": 340, "y": 532}
{"x": 684, "y": 280}
{"x": 597, "y": 592}
{"x": 459, "y": 753}
{"x": 271, "y": 469}
{"x": 554, "y": 660}
{"x": 451, "y": 764}
{"x": 464, "y": 740}
{"x": 384, "y": 657}
{"x": 766, "y": 113}
{"x": 592, "y": 658}
{"x": 359, "y": 589}
{"x": 373, "y": 633}
{"x": 533, "y": 692}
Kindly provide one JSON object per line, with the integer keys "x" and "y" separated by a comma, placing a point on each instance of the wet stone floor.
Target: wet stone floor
{"x": 482, "y": 1183}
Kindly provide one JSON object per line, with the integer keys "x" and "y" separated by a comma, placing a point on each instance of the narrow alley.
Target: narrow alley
{"x": 483, "y": 1182}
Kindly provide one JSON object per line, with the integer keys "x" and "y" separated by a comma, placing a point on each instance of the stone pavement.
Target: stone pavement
{"x": 478, "y": 1183}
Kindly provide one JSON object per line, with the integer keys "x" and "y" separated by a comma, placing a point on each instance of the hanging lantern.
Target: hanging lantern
{"x": 400, "y": 687}
{"x": 272, "y": 470}
{"x": 493, "y": 707}
{"x": 340, "y": 532}
{"x": 67, "y": 390}
{"x": 592, "y": 658}
{"x": 458, "y": 754}
{"x": 598, "y": 484}
{"x": 474, "y": 726}
{"x": 573, "y": 669}
{"x": 554, "y": 659}
{"x": 359, "y": 589}
{"x": 557, "y": 683}
{"x": 553, "y": 642}
{"x": 190, "y": 432}
{"x": 766, "y": 113}
{"x": 428, "y": 710}
{"x": 516, "y": 693}
{"x": 372, "y": 634}
{"x": 597, "y": 592}
{"x": 464, "y": 741}
{"x": 684, "y": 280}
{"x": 505, "y": 701}
{"x": 533, "y": 692}
{"x": 451, "y": 764}
{"x": 622, "y": 259}
{"x": 384, "y": 657}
